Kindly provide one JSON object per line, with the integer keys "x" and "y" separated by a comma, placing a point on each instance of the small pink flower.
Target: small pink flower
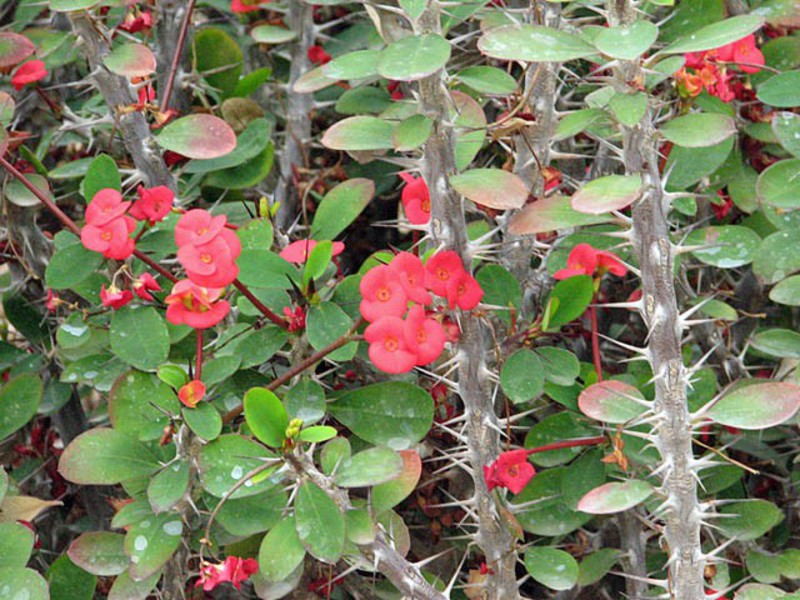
{"x": 382, "y": 294}
{"x": 234, "y": 570}
{"x": 105, "y": 206}
{"x": 318, "y": 56}
{"x": 246, "y": 6}
{"x": 582, "y": 260}
{"x": 153, "y": 204}
{"x": 144, "y": 284}
{"x": 411, "y": 273}
{"x": 424, "y": 337}
{"x": 114, "y": 297}
{"x": 195, "y": 306}
{"x": 111, "y": 239}
{"x": 511, "y": 470}
{"x": 297, "y": 252}
{"x": 209, "y": 265}
{"x": 464, "y": 291}
{"x": 441, "y": 269}
{"x": 29, "y": 72}
{"x": 416, "y": 199}
{"x": 388, "y": 350}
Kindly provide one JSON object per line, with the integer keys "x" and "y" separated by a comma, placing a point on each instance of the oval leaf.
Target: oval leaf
{"x": 100, "y": 553}
{"x": 105, "y": 457}
{"x": 131, "y": 60}
{"x": 14, "y": 48}
{"x": 613, "y": 192}
{"x": 370, "y": 467}
{"x": 551, "y": 567}
{"x": 756, "y": 406}
{"x": 414, "y": 57}
{"x": 615, "y": 497}
{"x": 698, "y": 130}
{"x": 612, "y": 401}
{"x": 198, "y": 136}
{"x": 319, "y": 522}
{"x": 781, "y": 91}
{"x": 533, "y": 43}
{"x": 729, "y": 245}
{"x": 716, "y": 35}
{"x": 626, "y": 42}
{"x": 779, "y": 185}
{"x": 340, "y": 207}
{"x": 494, "y": 188}
{"x": 389, "y": 494}
{"x": 281, "y": 551}
{"x": 551, "y": 214}
{"x": 266, "y": 416}
{"x": 359, "y": 133}
{"x": 19, "y": 401}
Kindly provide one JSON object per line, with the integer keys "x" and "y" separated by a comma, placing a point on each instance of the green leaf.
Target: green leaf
{"x": 249, "y": 144}
{"x": 199, "y": 136}
{"x": 389, "y": 494}
{"x": 18, "y": 194}
{"x": 281, "y": 551}
{"x": 698, "y": 130}
{"x": 494, "y": 188}
{"x": 771, "y": 262}
{"x": 359, "y": 526}
{"x": 258, "y": 347}
{"x": 363, "y": 100}
{"x": 560, "y": 366}
{"x": 594, "y": 566}
{"x": 556, "y": 428}
{"x": 553, "y": 213}
{"x": 102, "y": 174}
{"x": 333, "y": 453}
{"x": 787, "y": 292}
{"x": 370, "y": 467}
{"x": 151, "y": 543}
{"x": 414, "y": 57}
{"x": 522, "y": 376}
{"x": 533, "y": 43}
{"x": 306, "y": 401}
{"x": 318, "y": 260}
{"x": 359, "y": 133}
{"x": 411, "y": 133}
{"x": 687, "y": 166}
{"x": 19, "y": 401}
{"x": 218, "y": 58}
{"x": 247, "y": 174}
{"x": 105, "y": 457}
{"x": 272, "y": 34}
{"x": 139, "y": 405}
{"x": 71, "y": 266}
{"x": 71, "y": 5}
{"x": 20, "y": 583}
{"x": 730, "y": 245}
{"x": 340, "y": 207}
{"x": 786, "y": 127}
{"x": 393, "y": 414}
{"x": 628, "y": 109}
{"x": 612, "y": 401}
{"x": 264, "y": 269}
{"x": 780, "y": 343}
{"x": 781, "y": 91}
{"x": 254, "y": 514}
{"x": 204, "y": 420}
{"x": 353, "y": 65}
{"x": 317, "y": 433}
{"x": 605, "y": 194}
{"x": 69, "y": 582}
{"x": 326, "y": 323}
{"x": 266, "y": 416}
{"x": 319, "y": 522}
{"x": 756, "y": 406}
{"x": 764, "y": 567}
{"x": 100, "y": 553}
{"x": 545, "y": 511}
{"x": 488, "y": 80}
{"x": 139, "y": 336}
{"x": 131, "y": 60}
{"x": 615, "y": 497}
{"x": 126, "y": 588}
{"x": 573, "y": 123}
{"x": 752, "y": 519}
{"x": 779, "y": 185}
{"x": 16, "y": 545}
{"x": 716, "y": 35}
{"x": 626, "y": 42}
{"x": 573, "y": 296}
{"x": 551, "y": 567}
{"x": 228, "y": 459}
{"x": 168, "y": 486}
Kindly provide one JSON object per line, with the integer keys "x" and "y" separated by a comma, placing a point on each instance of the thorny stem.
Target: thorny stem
{"x": 673, "y": 439}
{"x": 350, "y": 336}
{"x": 596, "y": 356}
{"x": 448, "y": 227}
{"x": 176, "y": 58}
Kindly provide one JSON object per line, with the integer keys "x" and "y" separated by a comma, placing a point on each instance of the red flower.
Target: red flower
{"x": 393, "y": 87}
{"x": 416, "y": 199}
{"x": 135, "y": 23}
{"x": 28, "y": 72}
{"x": 153, "y": 204}
{"x": 234, "y": 570}
{"x": 511, "y": 470}
{"x": 144, "y": 284}
{"x": 112, "y": 239}
{"x": 246, "y": 6}
{"x": 383, "y": 294}
{"x": 441, "y": 270}
{"x": 297, "y": 252}
{"x": 197, "y": 226}
{"x": 411, "y": 273}
{"x": 52, "y": 301}
{"x": 610, "y": 262}
{"x": 318, "y": 56}
{"x": 424, "y": 337}
{"x": 689, "y": 85}
{"x": 209, "y": 265}
{"x": 105, "y": 206}
{"x": 388, "y": 350}
{"x": 582, "y": 260}
{"x": 297, "y": 319}
{"x": 464, "y": 291}
{"x": 115, "y": 298}
{"x": 191, "y": 393}
{"x": 744, "y": 53}
{"x": 195, "y": 306}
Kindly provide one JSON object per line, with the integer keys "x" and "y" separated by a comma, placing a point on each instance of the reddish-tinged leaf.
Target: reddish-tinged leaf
{"x": 611, "y": 401}
{"x": 613, "y": 192}
{"x": 494, "y": 188}
{"x": 757, "y": 406}
{"x": 131, "y": 60}
{"x": 551, "y": 214}
{"x": 615, "y": 497}
{"x": 14, "y": 48}
{"x": 389, "y": 494}
{"x": 198, "y": 136}
{"x": 100, "y": 553}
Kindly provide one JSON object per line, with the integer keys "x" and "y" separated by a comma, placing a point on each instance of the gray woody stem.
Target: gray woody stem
{"x": 118, "y": 93}
{"x": 683, "y": 513}
{"x": 449, "y": 228}
{"x": 297, "y": 131}
{"x": 405, "y": 576}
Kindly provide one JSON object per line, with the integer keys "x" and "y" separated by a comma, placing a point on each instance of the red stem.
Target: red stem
{"x": 176, "y": 59}
{"x": 596, "y": 356}
{"x": 260, "y": 305}
{"x": 69, "y": 223}
{"x": 198, "y": 354}
{"x": 593, "y": 441}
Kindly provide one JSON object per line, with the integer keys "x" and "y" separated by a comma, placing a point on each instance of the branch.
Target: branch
{"x": 655, "y": 253}
{"x": 169, "y": 14}
{"x": 449, "y": 227}
{"x": 118, "y": 93}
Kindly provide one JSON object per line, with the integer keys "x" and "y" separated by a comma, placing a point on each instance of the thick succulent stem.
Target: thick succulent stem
{"x": 173, "y": 57}
{"x": 656, "y": 254}
{"x": 297, "y": 130}
{"x": 449, "y": 229}
{"x": 118, "y": 94}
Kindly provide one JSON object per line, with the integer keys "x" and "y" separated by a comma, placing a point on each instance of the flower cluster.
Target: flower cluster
{"x": 108, "y": 229}
{"x": 585, "y": 260}
{"x": 29, "y": 72}
{"x": 207, "y": 249}
{"x": 396, "y": 345}
{"x": 511, "y": 470}
{"x": 233, "y": 570}
{"x": 709, "y": 70}
{"x": 416, "y": 199}
{"x": 195, "y": 306}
